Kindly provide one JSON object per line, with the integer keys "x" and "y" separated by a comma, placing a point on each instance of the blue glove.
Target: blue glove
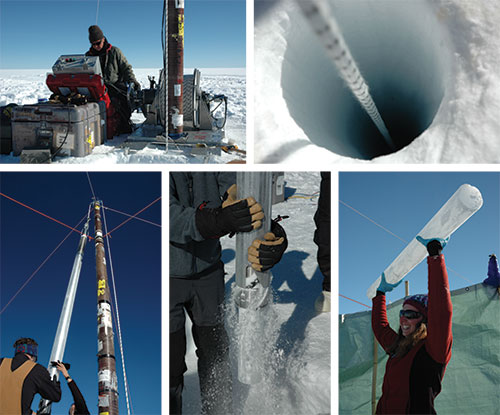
{"x": 386, "y": 287}
{"x": 433, "y": 249}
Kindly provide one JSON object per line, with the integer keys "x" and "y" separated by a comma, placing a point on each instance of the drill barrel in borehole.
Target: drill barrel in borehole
{"x": 330, "y": 36}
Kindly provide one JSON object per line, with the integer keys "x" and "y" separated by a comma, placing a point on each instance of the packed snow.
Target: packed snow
{"x": 432, "y": 68}
{"x": 296, "y": 351}
{"x": 26, "y": 86}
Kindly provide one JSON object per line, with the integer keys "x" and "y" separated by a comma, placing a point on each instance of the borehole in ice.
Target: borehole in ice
{"x": 403, "y": 53}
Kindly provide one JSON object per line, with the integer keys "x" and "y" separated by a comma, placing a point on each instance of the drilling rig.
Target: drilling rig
{"x": 79, "y": 115}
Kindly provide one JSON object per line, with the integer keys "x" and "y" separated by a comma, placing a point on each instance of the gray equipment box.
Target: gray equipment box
{"x": 76, "y": 129}
{"x": 77, "y": 64}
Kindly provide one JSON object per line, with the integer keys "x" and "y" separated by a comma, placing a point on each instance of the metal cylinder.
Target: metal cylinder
{"x": 252, "y": 287}
{"x": 65, "y": 319}
{"x": 175, "y": 65}
{"x": 108, "y": 383}
{"x": 258, "y": 185}
{"x": 61, "y": 336}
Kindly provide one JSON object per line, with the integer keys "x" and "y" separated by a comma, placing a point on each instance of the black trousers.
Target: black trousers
{"x": 202, "y": 299}
{"x": 118, "y": 96}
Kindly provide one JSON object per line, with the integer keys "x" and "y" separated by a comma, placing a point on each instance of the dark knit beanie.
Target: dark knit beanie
{"x": 95, "y": 33}
{"x": 418, "y": 301}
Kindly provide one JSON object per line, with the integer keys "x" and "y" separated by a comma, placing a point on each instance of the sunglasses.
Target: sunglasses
{"x": 409, "y": 314}
{"x": 96, "y": 42}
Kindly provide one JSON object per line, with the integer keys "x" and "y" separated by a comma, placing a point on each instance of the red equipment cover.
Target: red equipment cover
{"x": 97, "y": 89}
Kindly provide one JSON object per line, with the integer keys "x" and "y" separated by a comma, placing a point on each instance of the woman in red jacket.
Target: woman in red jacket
{"x": 421, "y": 349}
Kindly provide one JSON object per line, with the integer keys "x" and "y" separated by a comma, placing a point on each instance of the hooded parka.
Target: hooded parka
{"x": 115, "y": 67}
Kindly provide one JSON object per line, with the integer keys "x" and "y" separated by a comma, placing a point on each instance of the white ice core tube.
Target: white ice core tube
{"x": 466, "y": 201}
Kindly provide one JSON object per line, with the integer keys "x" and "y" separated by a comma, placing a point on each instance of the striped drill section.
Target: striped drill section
{"x": 328, "y": 31}
{"x": 108, "y": 382}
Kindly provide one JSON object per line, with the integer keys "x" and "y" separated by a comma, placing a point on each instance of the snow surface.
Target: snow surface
{"x": 26, "y": 86}
{"x": 453, "y": 42}
{"x": 296, "y": 360}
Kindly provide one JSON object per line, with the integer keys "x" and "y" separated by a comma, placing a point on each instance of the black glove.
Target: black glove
{"x": 264, "y": 254}
{"x": 434, "y": 248}
{"x": 243, "y": 215}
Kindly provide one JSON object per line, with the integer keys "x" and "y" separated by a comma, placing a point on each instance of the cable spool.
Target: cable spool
{"x": 191, "y": 95}
{"x": 188, "y": 88}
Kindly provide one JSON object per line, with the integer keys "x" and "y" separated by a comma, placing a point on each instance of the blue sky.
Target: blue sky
{"x": 404, "y": 203}
{"x": 26, "y": 239}
{"x": 33, "y": 34}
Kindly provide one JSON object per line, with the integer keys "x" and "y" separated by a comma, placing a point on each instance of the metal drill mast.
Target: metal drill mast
{"x": 108, "y": 382}
{"x": 175, "y": 66}
{"x": 65, "y": 319}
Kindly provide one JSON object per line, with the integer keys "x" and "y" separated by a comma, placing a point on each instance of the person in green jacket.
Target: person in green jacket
{"x": 117, "y": 72}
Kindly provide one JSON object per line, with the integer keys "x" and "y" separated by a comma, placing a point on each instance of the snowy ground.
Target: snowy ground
{"x": 431, "y": 65}
{"x": 297, "y": 361}
{"x": 26, "y": 86}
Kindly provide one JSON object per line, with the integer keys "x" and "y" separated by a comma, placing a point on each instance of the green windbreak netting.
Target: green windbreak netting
{"x": 471, "y": 384}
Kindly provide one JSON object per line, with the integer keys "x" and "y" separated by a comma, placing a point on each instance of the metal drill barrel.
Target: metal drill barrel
{"x": 108, "y": 382}
{"x": 252, "y": 287}
{"x": 330, "y": 35}
{"x": 258, "y": 185}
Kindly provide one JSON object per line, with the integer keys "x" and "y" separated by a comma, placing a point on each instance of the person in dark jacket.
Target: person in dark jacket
{"x": 421, "y": 349}
{"x": 21, "y": 378}
{"x": 493, "y": 278}
{"x": 322, "y": 239}
{"x": 79, "y": 407}
{"x": 117, "y": 72}
{"x": 204, "y": 208}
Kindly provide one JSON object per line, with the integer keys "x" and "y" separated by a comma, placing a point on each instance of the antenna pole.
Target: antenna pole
{"x": 108, "y": 381}
{"x": 65, "y": 318}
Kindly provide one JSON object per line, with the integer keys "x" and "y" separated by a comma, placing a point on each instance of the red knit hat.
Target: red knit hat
{"x": 419, "y": 301}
